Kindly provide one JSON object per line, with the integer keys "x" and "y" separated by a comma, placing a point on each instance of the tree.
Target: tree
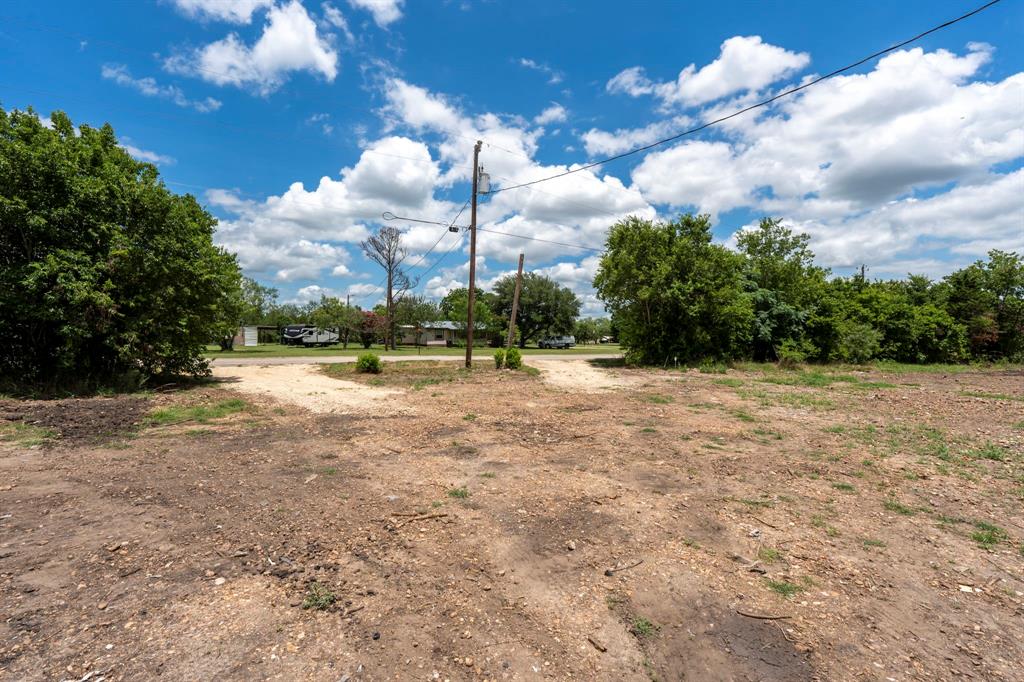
{"x": 783, "y": 283}
{"x": 105, "y": 275}
{"x": 258, "y": 301}
{"x": 591, "y": 329}
{"x": 455, "y": 308}
{"x": 988, "y": 299}
{"x": 372, "y": 327}
{"x": 672, "y": 293}
{"x": 416, "y": 311}
{"x": 545, "y": 306}
{"x": 333, "y": 313}
{"x": 386, "y": 250}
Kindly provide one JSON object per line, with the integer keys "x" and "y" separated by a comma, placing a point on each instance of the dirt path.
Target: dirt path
{"x": 307, "y": 387}
{"x": 577, "y": 374}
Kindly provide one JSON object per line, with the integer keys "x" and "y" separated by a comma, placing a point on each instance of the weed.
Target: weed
{"x": 487, "y": 474}
{"x": 420, "y": 384}
{"x": 768, "y": 433}
{"x": 460, "y": 493}
{"x": 845, "y": 487}
{"x": 329, "y": 471}
{"x": 318, "y": 597}
{"x": 783, "y": 587}
{"x": 648, "y": 429}
{"x": 729, "y": 381}
{"x": 869, "y": 542}
{"x": 988, "y": 535}
{"x": 530, "y": 371}
{"x": 988, "y": 451}
{"x": 742, "y": 415}
{"x": 769, "y": 555}
{"x": 659, "y": 399}
{"x": 200, "y": 414}
{"x": 689, "y": 542}
{"x": 711, "y": 367}
{"x": 469, "y": 417}
{"x": 894, "y": 505}
{"x": 643, "y": 628}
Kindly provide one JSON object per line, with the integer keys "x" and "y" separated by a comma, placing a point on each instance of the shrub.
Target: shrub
{"x": 499, "y": 358}
{"x": 368, "y": 363}
{"x": 513, "y": 358}
{"x": 858, "y": 343}
{"x": 791, "y": 354}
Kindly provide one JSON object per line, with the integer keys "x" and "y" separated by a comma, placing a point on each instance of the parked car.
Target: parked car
{"x": 308, "y": 335}
{"x": 557, "y": 342}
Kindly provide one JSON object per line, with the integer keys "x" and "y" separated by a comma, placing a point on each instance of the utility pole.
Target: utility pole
{"x": 348, "y": 306}
{"x": 515, "y": 304}
{"x": 472, "y": 257}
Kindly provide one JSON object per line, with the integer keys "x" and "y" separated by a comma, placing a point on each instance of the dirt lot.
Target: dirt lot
{"x": 596, "y": 524}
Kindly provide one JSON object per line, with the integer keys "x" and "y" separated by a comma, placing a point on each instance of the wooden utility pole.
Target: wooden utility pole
{"x": 515, "y": 304}
{"x": 472, "y": 257}
{"x": 348, "y": 306}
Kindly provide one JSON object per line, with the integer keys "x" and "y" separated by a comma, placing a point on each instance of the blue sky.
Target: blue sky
{"x": 298, "y": 123}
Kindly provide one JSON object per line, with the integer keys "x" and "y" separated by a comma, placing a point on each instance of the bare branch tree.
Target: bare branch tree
{"x": 386, "y": 250}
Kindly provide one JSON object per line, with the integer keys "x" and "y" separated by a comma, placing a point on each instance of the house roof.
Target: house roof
{"x": 440, "y": 324}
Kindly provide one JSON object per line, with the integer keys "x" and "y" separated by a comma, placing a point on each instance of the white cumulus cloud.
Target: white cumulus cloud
{"x": 233, "y": 11}
{"x": 744, "y": 63}
{"x": 384, "y": 12}
{"x": 290, "y": 42}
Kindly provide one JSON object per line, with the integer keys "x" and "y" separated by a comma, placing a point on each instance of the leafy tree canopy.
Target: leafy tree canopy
{"x": 104, "y": 273}
{"x": 545, "y": 306}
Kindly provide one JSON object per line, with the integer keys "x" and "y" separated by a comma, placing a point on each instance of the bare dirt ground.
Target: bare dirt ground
{"x": 753, "y": 525}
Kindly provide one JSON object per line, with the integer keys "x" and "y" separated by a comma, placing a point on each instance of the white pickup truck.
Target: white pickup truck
{"x": 557, "y": 342}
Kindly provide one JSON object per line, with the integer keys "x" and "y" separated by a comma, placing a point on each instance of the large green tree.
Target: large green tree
{"x": 104, "y": 273}
{"x": 783, "y": 284}
{"x": 672, "y": 292}
{"x": 545, "y": 306}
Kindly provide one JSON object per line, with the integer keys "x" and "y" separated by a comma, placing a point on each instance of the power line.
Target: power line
{"x": 758, "y": 105}
{"x": 538, "y": 239}
{"x": 447, "y": 226}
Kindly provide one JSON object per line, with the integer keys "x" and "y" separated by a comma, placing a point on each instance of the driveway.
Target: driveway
{"x": 484, "y": 355}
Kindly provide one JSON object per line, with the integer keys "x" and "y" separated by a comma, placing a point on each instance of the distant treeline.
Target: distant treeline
{"x": 673, "y": 294}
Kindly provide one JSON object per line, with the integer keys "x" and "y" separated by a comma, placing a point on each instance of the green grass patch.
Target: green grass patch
{"x": 25, "y": 435}
{"x": 869, "y": 542}
{"x": 898, "y": 507}
{"x": 988, "y": 535}
{"x": 813, "y": 379}
{"x": 460, "y": 493}
{"x": 845, "y": 487}
{"x": 659, "y": 399}
{"x": 769, "y": 555}
{"x": 469, "y": 417}
{"x": 648, "y": 429}
{"x": 743, "y": 415}
{"x": 728, "y": 381}
{"x": 783, "y": 587}
{"x": 993, "y": 396}
{"x": 201, "y": 414}
{"x": 487, "y": 474}
{"x": 989, "y": 451}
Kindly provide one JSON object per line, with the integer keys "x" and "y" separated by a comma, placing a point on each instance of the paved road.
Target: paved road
{"x": 483, "y": 355}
